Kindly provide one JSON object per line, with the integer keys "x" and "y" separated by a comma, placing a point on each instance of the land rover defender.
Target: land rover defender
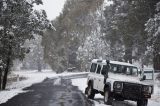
{"x": 117, "y": 81}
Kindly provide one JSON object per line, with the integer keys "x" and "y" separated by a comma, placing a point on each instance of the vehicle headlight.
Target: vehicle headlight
{"x": 118, "y": 85}
{"x": 147, "y": 89}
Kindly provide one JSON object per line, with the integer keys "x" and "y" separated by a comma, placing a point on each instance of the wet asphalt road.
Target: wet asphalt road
{"x": 51, "y": 92}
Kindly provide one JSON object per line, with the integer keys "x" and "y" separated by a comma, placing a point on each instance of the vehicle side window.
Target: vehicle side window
{"x": 134, "y": 71}
{"x": 104, "y": 70}
{"x": 128, "y": 70}
{"x": 99, "y": 69}
{"x": 93, "y": 67}
{"x": 113, "y": 68}
{"x": 124, "y": 69}
{"x": 119, "y": 67}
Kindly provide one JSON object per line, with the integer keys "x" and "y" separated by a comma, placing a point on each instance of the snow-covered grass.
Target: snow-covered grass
{"x": 154, "y": 101}
{"x": 32, "y": 77}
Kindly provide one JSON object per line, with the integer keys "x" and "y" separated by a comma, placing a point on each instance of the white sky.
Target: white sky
{"x": 52, "y": 7}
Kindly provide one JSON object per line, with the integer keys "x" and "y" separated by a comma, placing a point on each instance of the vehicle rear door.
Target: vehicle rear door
{"x": 92, "y": 73}
{"x": 97, "y": 77}
{"x": 101, "y": 78}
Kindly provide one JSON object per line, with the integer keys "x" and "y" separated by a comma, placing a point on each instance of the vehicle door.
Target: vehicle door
{"x": 102, "y": 77}
{"x": 97, "y": 77}
{"x": 92, "y": 73}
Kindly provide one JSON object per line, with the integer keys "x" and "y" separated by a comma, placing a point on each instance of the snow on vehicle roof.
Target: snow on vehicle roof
{"x": 112, "y": 62}
{"x": 148, "y": 69}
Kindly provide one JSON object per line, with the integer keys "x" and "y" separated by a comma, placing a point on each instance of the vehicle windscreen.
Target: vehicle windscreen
{"x": 93, "y": 67}
{"x": 98, "y": 69}
{"x": 121, "y": 69}
{"x": 104, "y": 70}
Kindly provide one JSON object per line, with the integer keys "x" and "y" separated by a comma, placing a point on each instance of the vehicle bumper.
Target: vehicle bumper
{"x": 131, "y": 92}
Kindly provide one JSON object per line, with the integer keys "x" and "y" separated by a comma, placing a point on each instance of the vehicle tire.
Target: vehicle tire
{"x": 86, "y": 90}
{"x": 107, "y": 97}
{"x": 143, "y": 102}
{"x": 90, "y": 92}
{"x": 119, "y": 99}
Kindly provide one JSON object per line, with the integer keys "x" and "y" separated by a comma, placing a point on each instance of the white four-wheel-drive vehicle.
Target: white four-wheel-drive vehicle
{"x": 117, "y": 81}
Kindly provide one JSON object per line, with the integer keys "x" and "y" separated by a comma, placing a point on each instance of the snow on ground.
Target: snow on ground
{"x": 32, "y": 77}
{"x": 5, "y": 95}
{"x": 82, "y": 84}
{"x": 156, "y": 95}
{"x": 35, "y": 77}
{"x": 16, "y": 87}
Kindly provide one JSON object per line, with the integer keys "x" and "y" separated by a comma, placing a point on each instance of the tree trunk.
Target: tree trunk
{"x": 39, "y": 65}
{"x": 5, "y": 78}
{"x": 156, "y": 62}
{"x": 0, "y": 79}
{"x": 7, "y": 68}
{"x": 128, "y": 55}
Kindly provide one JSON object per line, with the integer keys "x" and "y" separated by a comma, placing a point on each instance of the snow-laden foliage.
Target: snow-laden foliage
{"x": 153, "y": 29}
{"x": 93, "y": 47}
{"x": 18, "y": 23}
{"x": 124, "y": 25}
{"x": 71, "y": 28}
{"x": 34, "y": 59}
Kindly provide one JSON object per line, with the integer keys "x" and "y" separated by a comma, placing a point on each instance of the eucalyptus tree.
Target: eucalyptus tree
{"x": 70, "y": 31}
{"x": 18, "y": 22}
{"x": 125, "y": 25}
{"x": 153, "y": 29}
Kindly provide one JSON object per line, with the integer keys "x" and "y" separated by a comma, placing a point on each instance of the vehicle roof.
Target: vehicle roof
{"x": 148, "y": 69}
{"x": 113, "y": 62}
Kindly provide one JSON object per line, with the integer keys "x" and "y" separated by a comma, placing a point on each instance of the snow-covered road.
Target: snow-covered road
{"x": 50, "y": 92}
{"x": 32, "y": 77}
{"x": 37, "y": 77}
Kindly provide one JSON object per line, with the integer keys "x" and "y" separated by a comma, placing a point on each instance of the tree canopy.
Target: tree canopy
{"x": 18, "y": 23}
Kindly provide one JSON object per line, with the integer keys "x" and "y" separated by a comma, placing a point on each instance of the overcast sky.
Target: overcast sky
{"x": 52, "y": 7}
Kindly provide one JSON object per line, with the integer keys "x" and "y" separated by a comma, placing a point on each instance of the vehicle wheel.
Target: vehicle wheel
{"x": 107, "y": 97}
{"x": 143, "y": 102}
{"x": 90, "y": 92}
{"x": 86, "y": 90}
{"x": 119, "y": 99}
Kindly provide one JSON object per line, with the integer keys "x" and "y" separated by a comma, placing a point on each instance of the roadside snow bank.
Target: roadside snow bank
{"x": 81, "y": 83}
{"x": 6, "y": 95}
